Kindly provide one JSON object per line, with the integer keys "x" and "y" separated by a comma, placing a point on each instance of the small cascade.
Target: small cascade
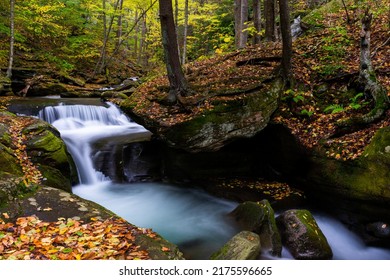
{"x": 110, "y": 115}
{"x": 83, "y": 126}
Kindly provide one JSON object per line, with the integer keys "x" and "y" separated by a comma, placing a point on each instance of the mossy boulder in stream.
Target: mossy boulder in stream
{"x": 243, "y": 246}
{"x": 260, "y": 218}
{"x": 49, "y": 152}
{"x": 302, "y": 236}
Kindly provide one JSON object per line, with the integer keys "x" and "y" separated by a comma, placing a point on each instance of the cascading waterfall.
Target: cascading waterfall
{"x": 82, "y": 125}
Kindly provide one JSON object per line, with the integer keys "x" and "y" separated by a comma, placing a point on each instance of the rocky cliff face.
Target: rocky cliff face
{"x": 209, "y": 130}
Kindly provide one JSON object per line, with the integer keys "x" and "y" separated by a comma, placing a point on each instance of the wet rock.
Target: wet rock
{"x": 379, "y": 229}
{"x": 243, "y": 246}
{"x": 259, "y": 217}
{"x": 302, "y": 236}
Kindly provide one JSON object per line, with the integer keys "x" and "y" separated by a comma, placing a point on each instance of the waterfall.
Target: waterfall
{"x": 81, "y": 126}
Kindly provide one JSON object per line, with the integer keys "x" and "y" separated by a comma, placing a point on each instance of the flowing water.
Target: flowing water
{"x": 189, "y": 217}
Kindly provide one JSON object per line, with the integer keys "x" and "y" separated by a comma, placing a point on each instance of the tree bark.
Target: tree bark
{"x": 257, "y": 21}
{"x": 177, "y": 81}
{"x": 240, "y": 19}
{"x": 367, "y": 81}
{"x": 237, "y": 23}
{"x": 141, "y": 53}
{"x": 244, "y": 19}
{"x": 286, "y": 39}
{"x": 12, "y": 38}
{"x": 367, "y": 77}
{"x": 269, "y": 14}
{"x": 185, "y": 32}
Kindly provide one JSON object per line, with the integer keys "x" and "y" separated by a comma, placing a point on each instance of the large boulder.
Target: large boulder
{"x": 243, "y": 246}
{"x": 50, "y": 205}
{"x": 302, "y": 236}
{"x": 260, "y": 218}
{"x": 214, "y": 127}
{"x": 44, "y": 149}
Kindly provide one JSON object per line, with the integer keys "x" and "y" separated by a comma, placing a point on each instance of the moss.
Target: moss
{"x": 54, "y": 178}
{"x": 354, "y": 179}
{"x": 8, "y": 163}
{"x": 154, "y": 247}
{"x": 302, "y": 236}
{"x": 318, "y": 14}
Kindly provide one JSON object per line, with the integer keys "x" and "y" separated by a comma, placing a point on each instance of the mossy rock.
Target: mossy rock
{"x": 5, "y": 86}
{"x": 48, "y": 150}
{"x": 159, "y": 248}
{"x": 366, "y": 179}
{"x": 243, "y": 246}
{"x": 260, "y": 218}
{"x": 302, "y": 236}
{"x": 240, "y": 116}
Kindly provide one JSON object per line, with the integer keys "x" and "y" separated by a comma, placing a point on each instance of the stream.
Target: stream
{"x": 189, "y": 217}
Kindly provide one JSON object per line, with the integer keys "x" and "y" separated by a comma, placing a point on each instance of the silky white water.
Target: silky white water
{"x": 194, "y": 220}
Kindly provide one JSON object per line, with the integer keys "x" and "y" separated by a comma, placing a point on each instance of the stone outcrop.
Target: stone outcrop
{"x": 243, "y": 246}
{"x": 302, "y": 236}
{"x": 45, "y": 149}
{"x": 213, "y": 128}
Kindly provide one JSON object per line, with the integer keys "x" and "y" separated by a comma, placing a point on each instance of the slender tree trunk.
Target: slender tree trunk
{"x": 120, "y": 22}
{"x": 368, "y": 82}
{"x": 12, "y": 38}
{"x": 128, "y": 32}
{"x": 257, "y": 21}
{"x": 237, "y": 23}
{"x": 240, "y": 19}
{"x": 367, "y": 77}
{"x": 142, "y": 42}
{"x": 286, "y": 39}
{"x": 244, "y": 19}
{"x": 107, "y": 31}
{"x": 136, "y": 34}
{"x": 269, "y": 14}
{"x": 177, "y": 81}
{"x": 186, "y": 14}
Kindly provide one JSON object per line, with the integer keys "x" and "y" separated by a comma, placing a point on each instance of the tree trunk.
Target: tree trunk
{"x": 367, "y": 81}
{"x": 286, "y": 39}
{"x": 240, "y": 19}
{"x": 244, "y": 19}
{"x": 12, "y": 38}
{"x": 269, "y": 14}
{"x": 136, "y": 34}
{"x": 257, "y": 21}
{"x": 141, "y": 54}
{"x": 120, "y": 23}
{"x": 107, "y": 31}
{"x": 186, "y": 14}
{"x": 177, "y": 81}
{"x": 237, "y": 23}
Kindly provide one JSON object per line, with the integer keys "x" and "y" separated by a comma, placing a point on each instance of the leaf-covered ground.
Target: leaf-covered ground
{"x": 32, "y": 239}
{"x": 325, "y": 62}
